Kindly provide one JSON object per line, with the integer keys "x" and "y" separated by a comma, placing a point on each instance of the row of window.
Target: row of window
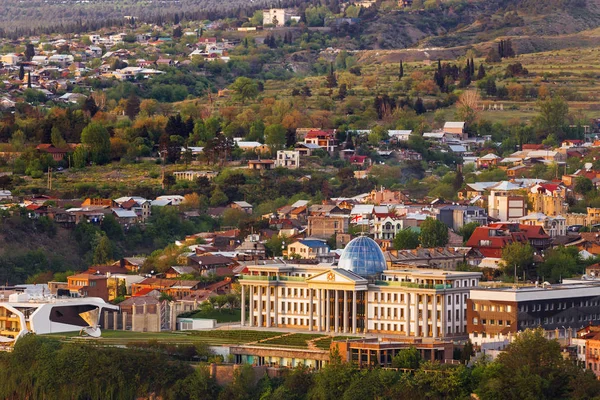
{"x": 498, "y": 322}
{"x": 559, "y": 306}
{"x": 492, "y": 308}
{"x": 558, "y": 320}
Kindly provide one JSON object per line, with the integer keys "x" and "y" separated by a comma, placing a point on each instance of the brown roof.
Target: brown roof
{"x": 211, "y": 260}
{"x": 167, "y": 283}
{"x": 139, "y": 301}
{"x": 87, "y": 276}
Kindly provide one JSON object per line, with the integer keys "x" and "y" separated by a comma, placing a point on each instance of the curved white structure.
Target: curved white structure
{"x": 22, "y": 315}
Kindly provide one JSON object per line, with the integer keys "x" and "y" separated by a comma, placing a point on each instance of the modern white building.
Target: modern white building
{"x": 24, "y": 313}
{"x": 276, "y": 16}
{"x": 289, "y": 159}
{"x": 358, "y": 295}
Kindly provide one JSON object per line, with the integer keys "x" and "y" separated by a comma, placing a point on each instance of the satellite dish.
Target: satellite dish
{"x": 92, "y": 317}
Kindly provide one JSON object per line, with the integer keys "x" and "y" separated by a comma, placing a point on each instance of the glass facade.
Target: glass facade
{"x": 363, "y": 257}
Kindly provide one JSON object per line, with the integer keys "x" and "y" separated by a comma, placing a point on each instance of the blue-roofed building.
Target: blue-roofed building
{"x": 307, "y": 248}
{"x": 363, "y": 256}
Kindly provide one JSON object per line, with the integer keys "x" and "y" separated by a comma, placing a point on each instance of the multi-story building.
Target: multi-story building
{"x": 323, "y": 227}
{"x": 88, "y": 285}
{"x": 359, "y": 294}
{"x": 491, "y": 239}
{"x": 549, "y": 199}
{"x": 307, "y": 248}
{"x": 497, "y": 314}
{"x": 325, "y": 140}
{"x": 276, "y": 16}
{"x": 289, "y": 159}
{"x": 553, "y": 226}
{"x": 455, "y": 216}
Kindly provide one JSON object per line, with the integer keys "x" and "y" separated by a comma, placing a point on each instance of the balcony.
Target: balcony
{"x": 258, "y": 278}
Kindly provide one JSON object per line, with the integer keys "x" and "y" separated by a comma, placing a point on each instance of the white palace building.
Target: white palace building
{"x": 358, "y": 295}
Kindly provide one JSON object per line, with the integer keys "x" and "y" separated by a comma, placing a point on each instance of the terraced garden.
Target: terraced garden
{"x": 324, "y": 344}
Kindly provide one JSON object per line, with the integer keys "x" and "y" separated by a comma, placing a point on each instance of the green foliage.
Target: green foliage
{"x": 517, "y": 255}
{"x": 275, "y": 136}
{"x": 97, "y": 140}
{"x": 406, "y": 239}
{"x": 561, "y": 262}
{"x": 434, "y": 233}
{"x": 467, "y": 230}
{"x": 244, "y": 89}
{"x": 409, "y": 358}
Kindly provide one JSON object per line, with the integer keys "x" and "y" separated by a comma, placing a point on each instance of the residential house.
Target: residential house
{"x": 209, "y": 264}
{"x": 386, "y": 196}
{"x": 242, "y": 205}
{"x": 125, "y": 217}
{"x": 178, "y": 270}
{"x": 58, "y": 154}
{"x": 487, "y": 161}
{"x": 455, "y": 129}
{"x": 553, "y": 226}
{"x": 360, "y": 161}
{"x": 88, "y": 285}
{"x": 504, "y": 203}
{"x": 325, "y": 140}
{"x": 307, "y": 248}
{"x": 289, "y": 159}
{"x": 491, "y": 239}
{"x": 261, "y": 164}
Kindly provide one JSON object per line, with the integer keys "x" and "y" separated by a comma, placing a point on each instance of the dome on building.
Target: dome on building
{"x": 363, "y": 257}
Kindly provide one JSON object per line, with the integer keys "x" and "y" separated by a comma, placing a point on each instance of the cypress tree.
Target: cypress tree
{"x": 481, "y": 72}
{"x": 472, "y": 67}
{"x": 21, "y": 72}
{"x": 401, "y": 69}
{"x": 29, "y": 79}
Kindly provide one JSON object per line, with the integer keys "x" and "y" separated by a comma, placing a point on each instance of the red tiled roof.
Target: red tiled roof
{"x": 319, "y": 133}
{"x": 143, "y": 292}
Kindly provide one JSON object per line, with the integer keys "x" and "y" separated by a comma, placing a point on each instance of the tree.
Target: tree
{"x": 517, "y": 257}
{"x": 56, "y": 138}
{"x": 406, "y": 239}
{"x": 28, "y": 79}
{"x": 331, "y": 80}
{"x": 467, "y": 230}
{"x": 21, "y": 72}
{"x": 97, "y": 140}
{"x": 583, "y": 185}
{"x": 552, "y": 117}
{"x": 244, "y": 89}
{"x": 342, "y": 91}
{"x": 89, "y": 105}
{"x": 132, "y": 106}
{"x": 434, "y": 233}
{"x": 401, "y": 74}
{"x": 275, "y": 136}
{"x": 559, "y": 263}
{"x": 419, "y": 106}
{"x": 218, "y": 197}
{"x": 481, "y": 72}
{"x": 408, "y": 358}
{"x": 103, "y": 251}
{"x": 29, "y": 52}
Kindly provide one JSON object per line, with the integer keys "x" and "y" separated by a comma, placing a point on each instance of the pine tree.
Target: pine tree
{"x": 419, "y": 106}
{"x": 331, "y": 78}
{"x": 481, "y": 72}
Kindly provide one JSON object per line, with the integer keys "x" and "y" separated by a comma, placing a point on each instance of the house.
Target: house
{"x": 325, "y": 140}
{"x": 141, "y": 208}
{"x": 242, "y": 205}
{"x": 487, "y": 161}
{"x": 165, "y": 62}
{"x": 261, "y": 165}
{"x": 289, "y": 159}
{"x": 125, "y": 217}
{"x": 307, "y": 248}
{"x": 88, "y": 285}
{"x": 177, "y": 270}
{"x": 73, "y": 98}
{"x": 553, "y": 226}
{"x": 132, "y": 264}
{"x": 212, "y": 264}
{"x": 549, "y": 198}
{"x": 456, "y": 129}
{"x": 386, "y": 196}
{"x": 360, "y": 161}
{"x": 58, "y": 154}
{"x": 306, "y": 149}
{"x": 491, "y": 239}
{"x": 5, "y": 195}
{"x": 440, "y": 258}
{"x": 504, "y": 203}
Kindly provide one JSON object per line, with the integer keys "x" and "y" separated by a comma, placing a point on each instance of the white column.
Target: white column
{"x": 251, "y": 306}
{"x": 462, "y": 312}
{"x": 276, "y": 304}
{"x": 243, "y": 322}
{"x": 416, "y": 314}
{"x": 268, "y": 322}
{"x": 260, "y": 311}
{"x": 408, "y": 314}
{"x": 319, "y": 310}
{"x": 434, "y": 323}
{"x": 327, "y": 310}
{"x": 354, "y": 311}
{"x": 444, "y": 315}
{"x": 311, "y": 307}
{"x": 345, "y": 311}
{"x": 337, "y": 312}
{"x": 425, "y": 319}
{"x": 366, "y": 329}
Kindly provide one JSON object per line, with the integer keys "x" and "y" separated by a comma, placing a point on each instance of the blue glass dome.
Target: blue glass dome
{"x": 363, "y": 257}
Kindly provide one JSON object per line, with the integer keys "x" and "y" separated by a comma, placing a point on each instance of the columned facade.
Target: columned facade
{"x": 418, "y": 303}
